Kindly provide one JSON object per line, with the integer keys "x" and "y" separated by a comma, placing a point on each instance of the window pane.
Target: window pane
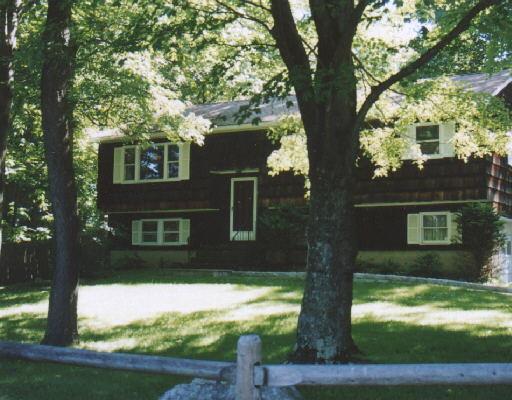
{"x": 173, "y": 153}
{"x": 151, "y": 163}
{"x": 173, "y": 170}
{"x": 429, "y": 147}
{"x": 171, "y": 226}
{"x": 129, "y": 155}
{"x": 149, "y": 237}
{"x": 129, "y": 172}
{"x": 171, "y": 237}
{"x": 435, "y": 234}
{"x": 149, "y": 226}
{"x": 428, "y": 132}
{"x": 433, "y": 221}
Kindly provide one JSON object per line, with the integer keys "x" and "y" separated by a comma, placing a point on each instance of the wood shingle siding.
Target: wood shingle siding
{"x": 446, "y": 179}
{"x": 212, "y": 165}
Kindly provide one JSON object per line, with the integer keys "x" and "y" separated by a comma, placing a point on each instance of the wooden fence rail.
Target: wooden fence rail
{"x": 118, "y": 361}
{"x": 248, "y": 375}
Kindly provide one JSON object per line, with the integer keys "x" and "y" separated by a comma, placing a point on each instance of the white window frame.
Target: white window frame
{"x": 142, "y": 232}
{"x": 448, "y": 228}
{"x": 163, "y": 232}
{"x": 160, "y": 232}
{"x": 249, "y": 235}
{"x": 446, "y": 134}
{"x": 439, "y": 127}
{"x": 136, "y": 161}
{"x": 138, "y": 150}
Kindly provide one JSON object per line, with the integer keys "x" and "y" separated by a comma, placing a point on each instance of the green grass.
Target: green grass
{"x": 200, "y": 316}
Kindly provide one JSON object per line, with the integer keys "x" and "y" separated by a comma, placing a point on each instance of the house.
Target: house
{"x": 183, "y": 203}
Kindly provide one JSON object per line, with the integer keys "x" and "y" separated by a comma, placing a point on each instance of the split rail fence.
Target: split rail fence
{"x": 249, "y": 376}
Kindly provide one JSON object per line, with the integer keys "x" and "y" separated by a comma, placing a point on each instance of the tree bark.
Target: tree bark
{"x": 57, "y": 121}
{"x": 8, "y": 26}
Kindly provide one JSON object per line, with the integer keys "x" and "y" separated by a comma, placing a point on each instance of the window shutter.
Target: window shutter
{"x": 413, "y": 229}
{"x": 118, "y": 165}
{"x": 410, "y": 136}
{"x": 446, "y": 132}
{"x": 453, "y": 229}
{"x": 184, "y": 171}
{"x": 184, "y": 230}
{"x": 136, "y": 232}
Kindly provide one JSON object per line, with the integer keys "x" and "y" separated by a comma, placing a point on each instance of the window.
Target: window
{"x": 149, "y": 232}
{"x": 171, "y": 231}
{"x": 129, "y": 163}
{"x": 173, "y": 161}
{"x": 161, "y": 232}
{"x": 431, "y": 228}
{"x": 435, "y": 140}
{"x": 434, "y": 228}
{"x": 427, "y": 136}
{"x": 151, "y": 163}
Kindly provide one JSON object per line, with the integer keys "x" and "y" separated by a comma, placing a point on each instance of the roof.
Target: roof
{"x": 225, "y": 115}
{"x": 485, "y": 83}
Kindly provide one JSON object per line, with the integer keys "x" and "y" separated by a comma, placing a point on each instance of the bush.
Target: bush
{"x": 427, "y": 265}
{"x": 283, "y": 227}
{"x": 386, "y": 267}
{"x": 480, "y": 230}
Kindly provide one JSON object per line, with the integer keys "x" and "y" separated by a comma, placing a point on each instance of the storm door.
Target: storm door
{"x": 243, "y": 209}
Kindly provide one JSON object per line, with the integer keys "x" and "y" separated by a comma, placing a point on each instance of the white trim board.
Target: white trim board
{"x": 235, "y": 171}
{"x": 419, "y": 203}
{"x": 164, "y": 211}
{"x": 216, "y": 130}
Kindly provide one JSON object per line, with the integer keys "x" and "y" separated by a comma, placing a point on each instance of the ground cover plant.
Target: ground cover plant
{"x": 201, "y": 316}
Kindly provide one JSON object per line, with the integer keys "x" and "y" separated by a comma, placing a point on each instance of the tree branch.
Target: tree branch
{"x": 242, "y": 15}
{"x": 427, "y": 56}
{"x": 294, "y": 55}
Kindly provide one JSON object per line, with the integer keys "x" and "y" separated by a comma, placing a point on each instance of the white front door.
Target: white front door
{"x": 244, "y": 200}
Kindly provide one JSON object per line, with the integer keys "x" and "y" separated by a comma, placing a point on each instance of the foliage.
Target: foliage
{"x": 482, "y": 125}
{"x": 427, "y": 265}
{"x": 282, "y": 226}
{"x": 481, "y": 230}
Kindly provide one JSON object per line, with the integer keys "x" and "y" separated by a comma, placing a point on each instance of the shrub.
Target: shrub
{"x": 480, "y": 230}
{"x": 375, "y": 267}
{"x": 283, "y": 227}
{"x": 427, "y": 265}
{"x": 130, "y": 261}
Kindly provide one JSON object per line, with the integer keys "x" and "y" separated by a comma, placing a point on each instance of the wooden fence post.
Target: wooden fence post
{"x": 248, "y": 354}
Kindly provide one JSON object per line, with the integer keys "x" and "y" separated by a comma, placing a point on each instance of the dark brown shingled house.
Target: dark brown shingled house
{"x": 200, "y": 205}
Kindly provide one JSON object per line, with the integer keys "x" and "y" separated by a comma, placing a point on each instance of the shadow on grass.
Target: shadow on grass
{"x": 22, "y": 294}
{"x": 168, "y": 275}
{"x": 433, "y": 295}
{"x": 395, "y": 342}
{"x": 213, "y": 335}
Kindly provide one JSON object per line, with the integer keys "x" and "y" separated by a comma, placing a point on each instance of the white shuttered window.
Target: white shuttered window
{"x": 431, "y": 228}
{"x": 435, "y": 140}
{"x": 161, "y": 232}
{"x": 158, "y": 162}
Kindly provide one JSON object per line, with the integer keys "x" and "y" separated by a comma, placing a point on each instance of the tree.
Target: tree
{"x": 480, "y": 230}
{"x": 8, "y": 26}
{"x": 57, "y": 122}
{"x": 324, "y": 57}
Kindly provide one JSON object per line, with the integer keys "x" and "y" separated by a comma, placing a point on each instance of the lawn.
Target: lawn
{"x": 200, "y": 316}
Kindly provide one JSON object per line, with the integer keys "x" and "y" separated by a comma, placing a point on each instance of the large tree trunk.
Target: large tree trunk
{"x": 8, "y": 26}
{"x": 57, "y": 110}
{"x": 324, "y": 332}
